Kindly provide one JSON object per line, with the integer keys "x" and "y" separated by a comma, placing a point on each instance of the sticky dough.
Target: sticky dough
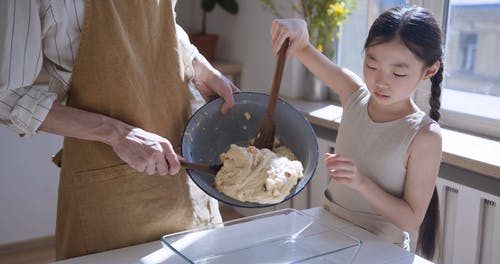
{"x": 258, "y": 175}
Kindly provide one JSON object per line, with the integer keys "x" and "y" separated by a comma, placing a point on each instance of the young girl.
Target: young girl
{"x": 388, "y": 151}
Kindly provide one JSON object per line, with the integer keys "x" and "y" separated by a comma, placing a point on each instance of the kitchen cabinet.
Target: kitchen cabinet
{"x": 319, "y": 181}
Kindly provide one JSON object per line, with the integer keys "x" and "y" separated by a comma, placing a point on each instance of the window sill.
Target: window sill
{"x": 461, "y": 150}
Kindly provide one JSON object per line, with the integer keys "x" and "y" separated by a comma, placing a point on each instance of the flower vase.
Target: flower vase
{"x": 314, "y": 89}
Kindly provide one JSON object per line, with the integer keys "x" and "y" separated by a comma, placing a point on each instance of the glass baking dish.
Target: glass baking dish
{"x": 283, "y": 236}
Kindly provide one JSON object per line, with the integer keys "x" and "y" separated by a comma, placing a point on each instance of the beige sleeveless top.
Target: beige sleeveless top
{"x": 380, "y": 152}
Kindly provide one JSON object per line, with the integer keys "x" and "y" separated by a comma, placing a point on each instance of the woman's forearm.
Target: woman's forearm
{"x": 71, "y": 122}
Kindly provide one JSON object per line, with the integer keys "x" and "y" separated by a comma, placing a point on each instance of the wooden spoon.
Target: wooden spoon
{"x": 213, "y": 169}
{"x": 267, "y": 126}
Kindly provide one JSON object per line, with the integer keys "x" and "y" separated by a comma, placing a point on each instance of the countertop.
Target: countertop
{"x": 372, "y": 250}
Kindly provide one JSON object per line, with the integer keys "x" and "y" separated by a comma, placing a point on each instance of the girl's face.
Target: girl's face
{"x": 392, "y": 72}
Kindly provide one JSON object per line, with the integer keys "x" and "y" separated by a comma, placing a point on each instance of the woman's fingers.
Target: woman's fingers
{"x": 173, "y": 161}
{"x": 158, "y": 163}
{"x": 139, "y": 167}
{"x": 161, "y": 165}
{"x": 227, "y": 94}
{"x": 147, "y": 152}
{"x": 151, "y": 166}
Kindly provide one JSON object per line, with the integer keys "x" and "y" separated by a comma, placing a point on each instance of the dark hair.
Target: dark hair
{"x": 420, "y": 32}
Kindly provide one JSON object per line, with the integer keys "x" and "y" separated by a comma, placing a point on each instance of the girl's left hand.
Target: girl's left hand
{"x": 343, "y": 170}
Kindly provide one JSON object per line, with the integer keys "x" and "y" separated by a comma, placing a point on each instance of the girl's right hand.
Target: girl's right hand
{"x": 344, "y": 170}
{"x": 294, "y": 29}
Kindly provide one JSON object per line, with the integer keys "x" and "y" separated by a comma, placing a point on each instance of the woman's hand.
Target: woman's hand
{"x": 294, "y": 29}
{"x": 147, "y": 152}
{"x": 212, "y": 84}
{"x": 343, "y": 170}
{"x": 142, "y": 150}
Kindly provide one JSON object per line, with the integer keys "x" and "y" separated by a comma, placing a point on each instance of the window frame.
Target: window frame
{"x": 454, "y": 120}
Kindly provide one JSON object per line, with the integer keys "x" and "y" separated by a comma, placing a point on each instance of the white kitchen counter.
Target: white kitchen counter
{"x": 372, "y": 250}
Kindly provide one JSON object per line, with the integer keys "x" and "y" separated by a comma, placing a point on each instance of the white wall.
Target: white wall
{"x": 244, "y": 38}
{"x": 28, "y": 186}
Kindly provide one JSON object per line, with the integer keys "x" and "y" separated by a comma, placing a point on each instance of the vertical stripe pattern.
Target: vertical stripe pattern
{"x": 35, "y": 34}
{"x": 44, "y": 35}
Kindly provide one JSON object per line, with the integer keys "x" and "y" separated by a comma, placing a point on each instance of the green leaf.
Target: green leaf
{"x": 208, "y": 5}
{"x": 229, "y": 5}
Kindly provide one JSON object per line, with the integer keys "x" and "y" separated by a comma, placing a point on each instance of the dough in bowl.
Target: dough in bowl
{"x": 256, "y": 175}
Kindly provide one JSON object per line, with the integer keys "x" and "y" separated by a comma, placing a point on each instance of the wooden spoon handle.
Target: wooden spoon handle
{"x": 278, "y": 73}
{"x": 196, "y": 166}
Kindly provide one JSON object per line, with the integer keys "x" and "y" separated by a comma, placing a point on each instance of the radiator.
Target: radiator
{"x": 470, "y": 219}
{"x": 470, "y": 224}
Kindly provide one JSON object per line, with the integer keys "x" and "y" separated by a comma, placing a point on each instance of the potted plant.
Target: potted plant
{"x": 324, "y": 19}
{"x": 207, "y": 43}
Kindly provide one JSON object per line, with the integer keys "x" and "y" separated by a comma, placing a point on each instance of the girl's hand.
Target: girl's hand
{"x": 147, "y": 152}
{"x": 343, "y": 170}
{"x": 294, "y": 29}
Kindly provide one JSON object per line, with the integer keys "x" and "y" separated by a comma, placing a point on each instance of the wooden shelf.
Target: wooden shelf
{"x": 229, "y": 69}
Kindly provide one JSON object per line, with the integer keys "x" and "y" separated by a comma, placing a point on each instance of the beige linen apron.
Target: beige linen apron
{"x": 128, "y": 67}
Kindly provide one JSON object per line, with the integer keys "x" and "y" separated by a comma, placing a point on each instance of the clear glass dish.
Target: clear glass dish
{"x": 283, "y": 236}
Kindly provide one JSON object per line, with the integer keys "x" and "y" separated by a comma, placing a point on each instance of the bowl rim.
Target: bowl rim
{"x": 229, "y": 200}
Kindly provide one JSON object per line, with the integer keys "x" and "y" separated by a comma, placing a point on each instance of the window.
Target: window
{"x": 378, "y": 6}
{"x": 468, "y": 43}
{"x": 470, "y": 98}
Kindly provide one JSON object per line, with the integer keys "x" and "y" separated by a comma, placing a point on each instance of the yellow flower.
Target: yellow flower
{"x": 330, "y": 10}
{"x": 319, "y": 47}
{"x": 339, "y": 9}
{"x": 324, "y": 18}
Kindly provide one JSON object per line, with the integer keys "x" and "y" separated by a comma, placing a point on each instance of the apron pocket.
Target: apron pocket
{"x": 119, "y": 206}
{"x": 104, "y": 174}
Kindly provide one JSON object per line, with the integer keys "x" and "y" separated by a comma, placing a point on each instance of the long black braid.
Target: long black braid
{"x": 435, "y": 99}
